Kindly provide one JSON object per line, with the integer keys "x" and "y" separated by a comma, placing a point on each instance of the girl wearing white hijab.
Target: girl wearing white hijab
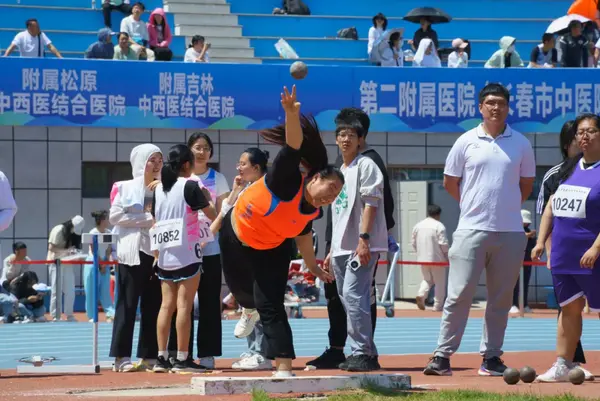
{"x": 426, "y": 55}
{"x": 131, "y": 203}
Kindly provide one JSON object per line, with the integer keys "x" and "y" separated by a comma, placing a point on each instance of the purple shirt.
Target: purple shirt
{"x": 576, "y": 211}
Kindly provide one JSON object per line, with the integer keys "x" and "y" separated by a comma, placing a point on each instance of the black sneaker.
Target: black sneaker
{"x": 187, "y": 366}
{"x": 376, "y": 361}
{"x": 359, "y": 363}
{"x": 330, "y": 359}
{"x": 438, "y": 366}
{"x": 492, "y": 367}
{"x": 162, "y": 365}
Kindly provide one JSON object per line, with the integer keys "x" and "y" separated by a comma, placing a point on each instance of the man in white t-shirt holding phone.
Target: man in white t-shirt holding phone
{"x": 31, "y": 42}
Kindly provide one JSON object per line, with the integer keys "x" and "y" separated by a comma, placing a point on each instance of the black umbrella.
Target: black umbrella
{"x": 434, "y": 15}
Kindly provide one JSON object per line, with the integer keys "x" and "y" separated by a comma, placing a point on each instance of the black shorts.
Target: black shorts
{"x": 181, "y": 274}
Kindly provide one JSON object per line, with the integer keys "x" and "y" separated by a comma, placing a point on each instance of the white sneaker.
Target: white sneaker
{"x": 514, "y": 310}
{"x": 253, "y": 362}
{"x": 243, "y": 356}
{"x": 208, "y": 362}
{"x": 246, "y": 324}
{"x": 556, "y": 374}
{"x": 26, "y": 319}
{"x": 283, "y": 374}
{"x": 123, "y": 365}
{"x": 588, "y": 375}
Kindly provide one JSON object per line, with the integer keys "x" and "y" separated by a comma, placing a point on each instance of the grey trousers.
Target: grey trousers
{"x": 472, "y": 251}
{"x": 355, "y": 291}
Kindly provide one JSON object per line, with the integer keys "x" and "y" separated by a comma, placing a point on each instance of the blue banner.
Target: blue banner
{"x": 132, "y": 94}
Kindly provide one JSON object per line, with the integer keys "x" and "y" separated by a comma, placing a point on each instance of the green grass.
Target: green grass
{"x": 373, "y": 394}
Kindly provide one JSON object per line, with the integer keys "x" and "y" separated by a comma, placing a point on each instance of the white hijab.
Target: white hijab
{"x": 426, "y": 60}
{"x": 132, "y": 195}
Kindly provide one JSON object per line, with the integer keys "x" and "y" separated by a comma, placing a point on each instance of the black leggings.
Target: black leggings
{"x": 209, "y": 334}
{"x": 133, "y": 283}
{"x": 338, "y": 330}
{"x": 258, "y": 280}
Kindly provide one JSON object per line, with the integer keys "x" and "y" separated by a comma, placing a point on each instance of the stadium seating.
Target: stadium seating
{"x": 72, "y": 25}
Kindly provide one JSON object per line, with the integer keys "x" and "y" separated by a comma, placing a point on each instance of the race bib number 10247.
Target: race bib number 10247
{"x": 569, "y": 201}
{"x": 166, "y": 234}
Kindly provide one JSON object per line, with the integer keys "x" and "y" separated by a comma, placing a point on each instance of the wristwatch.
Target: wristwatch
{"x": 364, "y": 236}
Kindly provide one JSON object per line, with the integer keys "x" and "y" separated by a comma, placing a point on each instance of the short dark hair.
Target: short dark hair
{"x": 123, "y": 34}
{"x": 350, "y": 113}
{"x": 547, "y": 37}
{"x": 574, "y": 23}
{"x": 494, "y": 89}
{"x": 139, "y": 4}
{"x": 434, "y": 210}
{"x": 17, "y": 246}
{"x": 354, "y": 125}
{"x": 196, "y": 39}
{"x": 31, "y": 21}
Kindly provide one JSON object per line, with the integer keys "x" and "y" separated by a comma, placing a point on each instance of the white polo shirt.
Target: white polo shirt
{"x": 490, "y": 196}
{"x": 29, "y": 46}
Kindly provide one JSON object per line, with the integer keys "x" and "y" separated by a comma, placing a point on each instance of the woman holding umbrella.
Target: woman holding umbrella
{"x": 425, "y": 16}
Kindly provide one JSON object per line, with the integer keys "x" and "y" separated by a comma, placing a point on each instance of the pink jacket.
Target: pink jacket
{"x": 153, "y": 33}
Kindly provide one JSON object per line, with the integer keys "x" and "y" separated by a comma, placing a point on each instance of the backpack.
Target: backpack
{"x": 348, "y": 33}
{"x": 295, "y": 7}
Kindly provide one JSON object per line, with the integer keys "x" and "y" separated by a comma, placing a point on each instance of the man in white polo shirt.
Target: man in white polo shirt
{"x": 490, "y": 171}
{"x": 31, "y": 42}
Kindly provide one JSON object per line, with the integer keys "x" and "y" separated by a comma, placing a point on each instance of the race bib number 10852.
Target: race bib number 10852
{"x": 166, "y": 234}
{"x": 569, "y": 201}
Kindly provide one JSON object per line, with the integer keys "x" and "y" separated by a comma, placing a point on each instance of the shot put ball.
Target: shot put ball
{"x": 511, "y": 376}
{"x": 528, "y": 374}
{"x": 576, "y": 376}
{"x": 298, "y": 70}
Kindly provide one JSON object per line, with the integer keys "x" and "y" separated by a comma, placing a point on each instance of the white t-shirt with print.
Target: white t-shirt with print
{"x": 29, "y": 46}
{"x": 191, "y": 55}
{"x": 217, "y": 188}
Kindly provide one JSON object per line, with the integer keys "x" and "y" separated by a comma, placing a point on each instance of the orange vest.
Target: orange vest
{"x": 263, "y": 221}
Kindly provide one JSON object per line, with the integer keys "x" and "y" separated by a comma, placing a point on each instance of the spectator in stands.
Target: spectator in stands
{"x": 507, "y": 56}
{"x": 425, "y": 31}
{"x": 197, "y": 51}
{"x": 160, "y": 36}
{"x": 490, "y": 171}
{"x": 31, "y": 302}
{"x": 109, "y": 5}
{"x": 292, "y": 7}
{"x": 431, "y": 245}
{"x": 105, "y": 253}
{"x": 427, "y": 55}
{"x": 64, "y": 240}
{"x": 574, "y": 47}
{"x": 103, "y": 48}
{"x": 459, "y": 57}
{"x": 393, "y": 56}
{"x": 138, "y": 32}
{"x": 531, "y": 240}
{"x": 123, "y": 50}
{"x": 31, "y": 42}
{"x": 545, "y": 54}
{"x": 380, "y": 24}
{"x": 12, "y": 267}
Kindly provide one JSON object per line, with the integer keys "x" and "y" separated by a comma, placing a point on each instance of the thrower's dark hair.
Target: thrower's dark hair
{"x": 313, "y": 151}
{"x": 567, "y": 135}
{"x": 569, "y": 166}
{"x": 177, "y": 156}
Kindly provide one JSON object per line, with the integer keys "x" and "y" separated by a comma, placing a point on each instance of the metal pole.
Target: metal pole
{"x": 95, "y": 273}
{"x": 58, "y": 289}
{"x": 522, "y": 292}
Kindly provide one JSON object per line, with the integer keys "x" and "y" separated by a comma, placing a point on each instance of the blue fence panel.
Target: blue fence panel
{"x": 52, "y": 92}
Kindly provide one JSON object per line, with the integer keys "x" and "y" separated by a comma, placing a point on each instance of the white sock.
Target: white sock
{"x": 562, "y": 361}
{"x": 164, "y": 354}
{"x": 182, "y": 356}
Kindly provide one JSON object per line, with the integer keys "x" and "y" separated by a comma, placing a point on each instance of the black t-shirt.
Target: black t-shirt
{"x": 420, "y": 35}
{"x": 284, "y": 178}
{"x": 193, "y": 196}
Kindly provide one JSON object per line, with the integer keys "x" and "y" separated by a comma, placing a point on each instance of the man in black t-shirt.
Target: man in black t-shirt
{"x": 334, "y": 355}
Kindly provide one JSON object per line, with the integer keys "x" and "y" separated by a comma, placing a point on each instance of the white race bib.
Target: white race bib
{"x": 205, "y": 233}
{"x": 569, "y": 201}
{"x": 166, "y": 234}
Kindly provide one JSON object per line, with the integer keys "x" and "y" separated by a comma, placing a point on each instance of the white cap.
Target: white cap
{"x": 458, "y": 43}
{"x": 526, "y": 216}
{"x": 78, "y": 224}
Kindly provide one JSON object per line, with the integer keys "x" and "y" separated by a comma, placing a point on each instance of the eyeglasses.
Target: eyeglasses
{"x": 347, "y": 135}
{"x": 205, "y": 149}
{"x": 493, "y": 104}
{"x": 589, "y": 131}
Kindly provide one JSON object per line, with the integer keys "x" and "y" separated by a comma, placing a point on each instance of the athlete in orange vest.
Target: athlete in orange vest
{"x": 256, "y": 233}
